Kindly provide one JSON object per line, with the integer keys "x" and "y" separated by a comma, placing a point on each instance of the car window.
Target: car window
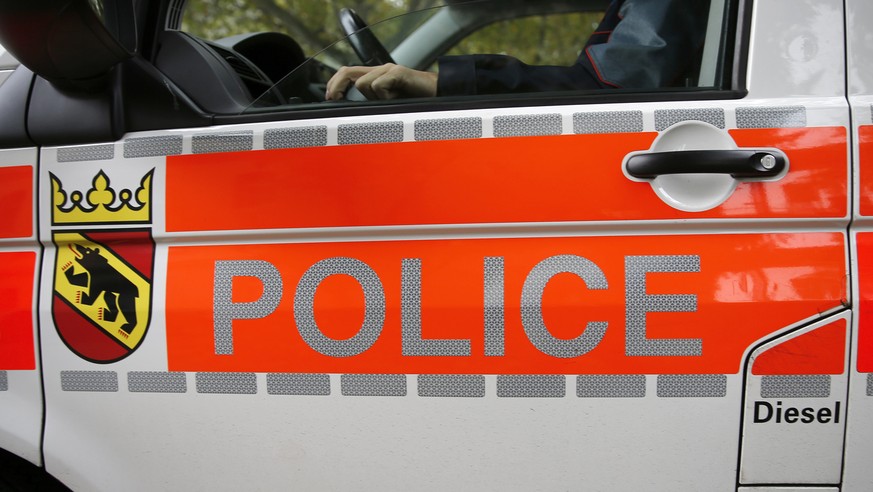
{"x": 417, "y": 33}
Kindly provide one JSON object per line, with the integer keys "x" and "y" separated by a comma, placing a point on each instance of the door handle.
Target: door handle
{"x": 739, "y": 163}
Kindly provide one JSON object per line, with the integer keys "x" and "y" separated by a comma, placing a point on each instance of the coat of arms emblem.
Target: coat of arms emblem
{"x": 103, "y": 268}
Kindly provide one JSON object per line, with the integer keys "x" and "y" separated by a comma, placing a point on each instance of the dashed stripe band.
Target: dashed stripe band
{"x": 298, "y": 384}
{"x": 665, "y": 118}
{"x": 103, "y": 381}
{"x": 870, "y": 384}
{"x": 692, "y": 385}
{"x": 207, "y": 143}
{"x": 86, "y": 153}
{"x": 524, "y": 386}
{"x": 442, "y": 385}
{"x": 373, "y": 384}
{"x": 4, "y": 381}
{"x": 609, "y": 386}
{"x": 156, "y": 382}
{"x": 597, "y": 122}
{"x": 438, "y": 385}
{"x": 818, "y": 386}
{"x": 153, "y": 146}
{"x": 230, "y": 383}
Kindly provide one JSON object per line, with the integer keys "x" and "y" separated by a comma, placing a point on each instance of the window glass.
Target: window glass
{"x": 416, "y": 33}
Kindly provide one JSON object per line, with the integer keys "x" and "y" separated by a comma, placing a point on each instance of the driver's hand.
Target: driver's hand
{"x": 387, "y": 81}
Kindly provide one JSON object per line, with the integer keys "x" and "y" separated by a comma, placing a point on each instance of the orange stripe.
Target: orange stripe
{"x": 530, "y": 179}
{"x": 865, "y": 151}
{"x": 747, "y": 287}
{"x": 16, "y": 190}
{"x": 16, "y": 317}
{"x": 865, "y": 302}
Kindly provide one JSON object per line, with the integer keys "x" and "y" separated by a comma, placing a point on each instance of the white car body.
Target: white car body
{"x": 694, "y": 282}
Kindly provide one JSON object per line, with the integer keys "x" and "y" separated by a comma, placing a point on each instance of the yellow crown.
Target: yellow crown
{"x": 102, "y": 203}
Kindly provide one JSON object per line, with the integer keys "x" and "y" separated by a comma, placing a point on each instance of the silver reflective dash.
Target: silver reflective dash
{"x": 153, "y": 146}
{"x": 293, "y": 138}
{"x": 102, "y": 381}
{"x": 608, "y": 122}
{"x": 692, "y": 385}
{"x": 156, "y": 382}
{"x": 771, "y": 117}
{"x": 796, "y": 386}
{"x": 870, "y": 384}
{"x": 86, "y": 153}
{"x": 611, "y": 386}
{"x": 531, "y": 386}
{"x": 527, "y": 125}
{"x": 229, "y": 383}
{"x": 4, "y": 381}
{"x": 298, "y": 384}
{"x": 451, "y": 385}
{"x": 207, "y": 143}
{"x": 448, "y": 129}
{"x": 367, "y": 133}
{"x": 665, "y": 118}
{"x": 373, "y": 384}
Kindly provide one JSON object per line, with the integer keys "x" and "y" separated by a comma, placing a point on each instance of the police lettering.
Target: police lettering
{"x": 766, "y": 412}
{"x": 638, "y": 304}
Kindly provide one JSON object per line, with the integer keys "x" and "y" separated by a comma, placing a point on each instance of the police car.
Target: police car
{"x": 211, "y": 279}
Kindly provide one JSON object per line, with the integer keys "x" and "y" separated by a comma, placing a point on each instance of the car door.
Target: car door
{"x": 487, "y": 293}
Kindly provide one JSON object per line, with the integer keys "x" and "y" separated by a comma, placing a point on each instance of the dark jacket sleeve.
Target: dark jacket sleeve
{"x": 500, "y": 74}
{"x": 640, "y": 44}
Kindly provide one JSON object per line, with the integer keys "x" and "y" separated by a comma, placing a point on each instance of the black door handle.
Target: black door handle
{"x": 739, "y": 163}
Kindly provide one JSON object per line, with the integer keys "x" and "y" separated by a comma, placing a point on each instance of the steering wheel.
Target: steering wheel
{"x": 367, "y": 46}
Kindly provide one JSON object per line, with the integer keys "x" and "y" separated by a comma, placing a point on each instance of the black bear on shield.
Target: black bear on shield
{"x": 118, "y": 292}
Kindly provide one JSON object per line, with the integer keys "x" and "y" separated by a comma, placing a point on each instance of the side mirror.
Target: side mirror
{"x": 67, "y": 42}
